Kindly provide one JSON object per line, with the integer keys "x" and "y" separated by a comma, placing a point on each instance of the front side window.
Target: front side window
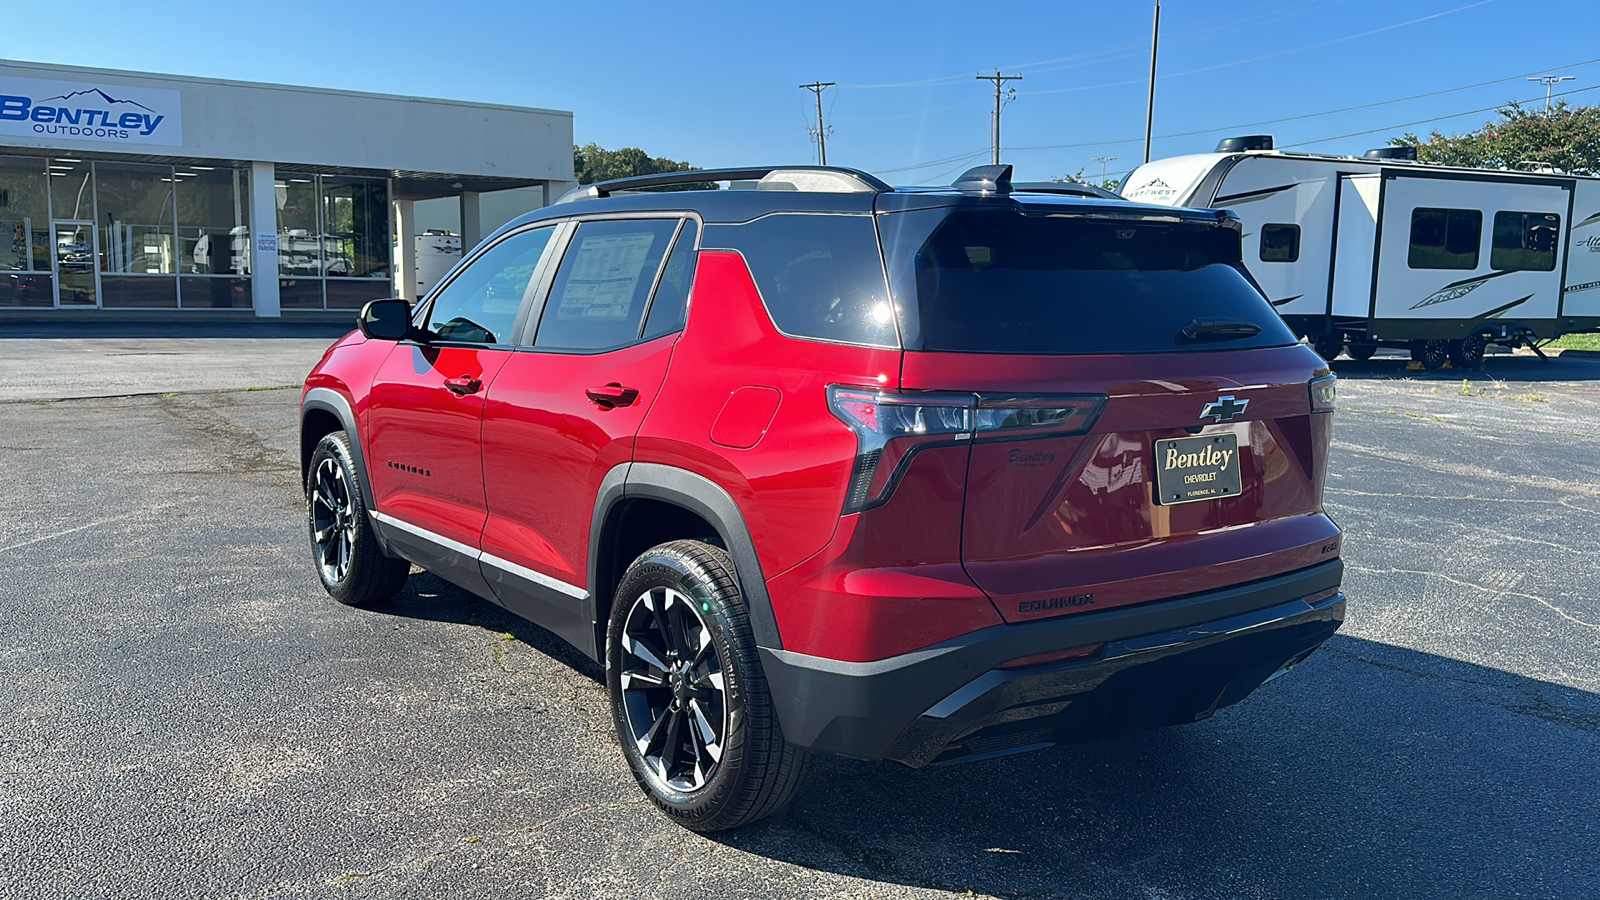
{"x": 1280, "y": 243}
{"x": 1524, "y": 241}
{"x": 598, "y": 298}
{"x": 1445, "y": 238}
{"x": 480, "y": 305}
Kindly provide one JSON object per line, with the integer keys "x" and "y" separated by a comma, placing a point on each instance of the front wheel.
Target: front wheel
{"x": 1361, "y": 352}
{"x": 688, "y": 696}
{"x": 354, "y": 570}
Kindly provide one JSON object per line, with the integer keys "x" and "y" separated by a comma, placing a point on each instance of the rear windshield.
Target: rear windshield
{"x": 1000, "y": 281}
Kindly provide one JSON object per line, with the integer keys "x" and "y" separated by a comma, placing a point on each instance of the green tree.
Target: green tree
{"x": 592, "y": 163}
{"x": 1566, "y": 138}
{"x": 1078, "y": 177}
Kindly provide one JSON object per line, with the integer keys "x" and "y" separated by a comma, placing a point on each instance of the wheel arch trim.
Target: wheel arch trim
{"x": 706, "y": 499}
{"x": 331, "y": 401}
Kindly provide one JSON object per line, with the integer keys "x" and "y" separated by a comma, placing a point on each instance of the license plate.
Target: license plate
{"x": 1190, "y": 469}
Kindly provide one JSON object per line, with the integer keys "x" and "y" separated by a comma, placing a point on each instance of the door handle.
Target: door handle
{"x": 464, "y": 385}
{"x": 612, "y": 395}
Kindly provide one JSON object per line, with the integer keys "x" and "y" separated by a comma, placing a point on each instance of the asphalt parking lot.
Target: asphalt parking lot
{"x": 184, "y": 713}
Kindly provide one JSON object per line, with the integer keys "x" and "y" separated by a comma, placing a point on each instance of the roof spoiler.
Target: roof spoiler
{"x": 822, "y": 179}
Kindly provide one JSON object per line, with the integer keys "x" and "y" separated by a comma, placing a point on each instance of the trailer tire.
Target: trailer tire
{"x": 1361, "y": 352}
{"x": 1467, "y": 353}
{"x": 1328, "y": 346}
{"x": 1433, "y": 354}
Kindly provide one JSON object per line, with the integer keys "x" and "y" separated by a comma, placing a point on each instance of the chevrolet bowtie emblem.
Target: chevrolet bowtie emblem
{"x": 1224, "y": 409}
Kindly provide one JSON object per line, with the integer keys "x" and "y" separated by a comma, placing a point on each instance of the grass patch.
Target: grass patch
{"x": 275, "y": 387}
{"x": 1577, "y": 342}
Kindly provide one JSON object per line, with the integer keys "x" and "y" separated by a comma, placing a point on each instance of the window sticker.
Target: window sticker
{"x": 605, "y": 277}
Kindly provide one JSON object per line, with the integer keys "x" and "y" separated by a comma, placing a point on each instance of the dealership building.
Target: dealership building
{"x": 139, "y": 195}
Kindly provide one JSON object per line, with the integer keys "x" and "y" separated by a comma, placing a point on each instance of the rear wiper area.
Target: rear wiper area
{"x": 1218, "y": 329}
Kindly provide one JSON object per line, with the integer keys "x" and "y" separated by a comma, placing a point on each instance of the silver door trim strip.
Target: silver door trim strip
{"x": 504, "y": 565}
{"x": 539, "y": 578}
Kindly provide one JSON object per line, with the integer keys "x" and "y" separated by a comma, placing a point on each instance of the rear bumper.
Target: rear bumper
{"x": 1164, "y": 663}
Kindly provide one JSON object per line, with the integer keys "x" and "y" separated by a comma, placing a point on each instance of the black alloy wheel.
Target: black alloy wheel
{"x": 688, "y": 697}
{"x": 1467, "y": 353}
{"x": 352, "y": 567}
{"x": 333, "y": 521}
{"x": 674, "y": 696}
{"x": 1433, "y": 354}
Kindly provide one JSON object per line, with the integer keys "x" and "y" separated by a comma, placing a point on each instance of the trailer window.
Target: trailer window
{"x": 1445, "y": 238}
{"x": 1524, "y": 241}
{"x": 1280, "y": 243}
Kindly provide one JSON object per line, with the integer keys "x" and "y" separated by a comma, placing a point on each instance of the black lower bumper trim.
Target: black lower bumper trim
{"x": 1164, "y": 663}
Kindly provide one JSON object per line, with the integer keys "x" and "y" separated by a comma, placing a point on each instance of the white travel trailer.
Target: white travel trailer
{"x": 1358, "y": 253}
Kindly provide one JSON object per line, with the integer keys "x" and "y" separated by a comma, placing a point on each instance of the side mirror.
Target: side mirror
{"x": 386, "y": 320}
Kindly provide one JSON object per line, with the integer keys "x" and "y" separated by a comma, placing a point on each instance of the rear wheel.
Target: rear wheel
{"x": 1361, "y": 352}
{"x": 352, "y": 567}
{"x": 1468, "y": 352}
{"x": 1432, "y": 353}
{"x": 688, "y": 696}
{"x": 1328, "y": 346}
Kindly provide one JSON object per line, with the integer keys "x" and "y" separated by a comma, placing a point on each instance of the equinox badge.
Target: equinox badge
{"x": 1224, "y": 409}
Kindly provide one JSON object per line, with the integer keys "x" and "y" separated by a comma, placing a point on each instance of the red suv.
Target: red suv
{"x": 817, "y": 465}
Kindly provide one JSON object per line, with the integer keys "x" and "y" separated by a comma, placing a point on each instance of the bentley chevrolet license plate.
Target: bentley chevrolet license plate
{"x": 1197, "y": 468}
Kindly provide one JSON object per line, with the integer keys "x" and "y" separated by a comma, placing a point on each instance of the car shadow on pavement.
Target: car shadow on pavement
{"x": 427, "y": 596}
{"x": 1372, "y": 771}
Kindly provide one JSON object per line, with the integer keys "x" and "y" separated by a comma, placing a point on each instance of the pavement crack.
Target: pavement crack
{"x": 1478, "y": 587}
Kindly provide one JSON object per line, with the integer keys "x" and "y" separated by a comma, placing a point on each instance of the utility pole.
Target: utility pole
{"x": 1549, "y": 82}
{"x": 1009, "y": 94}
{"x": 817, "y": 87}
{"x": 1102, "y": 160}
{"x": 1150, "y": 105}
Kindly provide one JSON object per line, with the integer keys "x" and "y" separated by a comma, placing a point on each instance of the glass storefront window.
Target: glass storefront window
{"x": 355, "y": 215}
{"x": 213, "y": 221}
{"x": 24, "y": 233}
{"x": 136, "y": 218}
{"x": 333, "y": 228}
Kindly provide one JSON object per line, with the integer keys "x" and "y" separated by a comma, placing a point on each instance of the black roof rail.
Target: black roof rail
{"x": 832, "y": 178}
{"x": 1064, "y": 188}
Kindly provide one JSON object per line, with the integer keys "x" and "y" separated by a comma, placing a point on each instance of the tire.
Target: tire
{"x": 1361, "y": 352}
{"x": 1467, "y": 353}
{"x": 353, "y": 569}
{"x": 1431, "y": 353}
{"x": 1328, "y": 346}
{"x": 688, "y": 696}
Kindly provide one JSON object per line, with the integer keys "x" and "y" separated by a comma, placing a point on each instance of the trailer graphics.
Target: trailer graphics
{"x": 1357, "y": 253}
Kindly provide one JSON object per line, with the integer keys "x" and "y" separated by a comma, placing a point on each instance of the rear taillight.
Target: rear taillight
{"x": 1323, "y": 392}
{"x": 891, "y": 427}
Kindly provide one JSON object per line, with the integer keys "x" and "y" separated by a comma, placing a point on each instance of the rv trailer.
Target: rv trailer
{"x": 1384, "y": 251}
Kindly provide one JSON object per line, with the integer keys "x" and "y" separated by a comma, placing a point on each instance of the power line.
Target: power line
{"x": 817, "y": 87}
{"x": 1010, "y": 94}
{"x": 1436, "y": 119}
{"x": 1299, "y": 118}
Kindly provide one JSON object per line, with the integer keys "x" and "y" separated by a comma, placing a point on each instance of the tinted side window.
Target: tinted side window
{"x": 599, "y": 295}
{"x": 1280, "y": 243}
{"x": 821, "y": 276}
{"x": 481, "y": 304}
{"x": 1445, "y": 238}
{"x": 670, "y": 306}
{"x": 1524, "y": 241}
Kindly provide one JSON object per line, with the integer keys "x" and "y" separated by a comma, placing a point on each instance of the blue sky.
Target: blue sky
{"x": 716, "y": 83}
